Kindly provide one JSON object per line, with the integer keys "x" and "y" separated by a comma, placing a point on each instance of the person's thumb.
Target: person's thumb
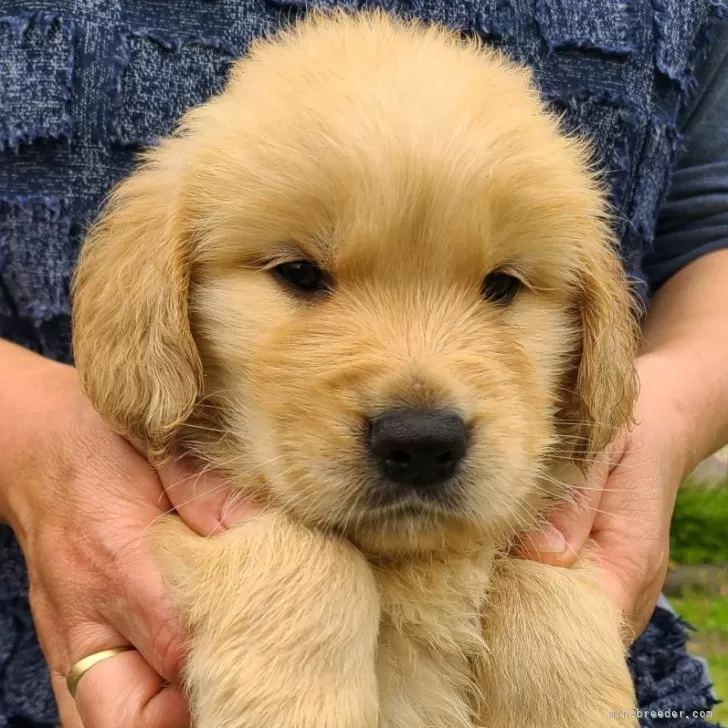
{"x": 562, "y": 538}
{"x": 202, "y": 497}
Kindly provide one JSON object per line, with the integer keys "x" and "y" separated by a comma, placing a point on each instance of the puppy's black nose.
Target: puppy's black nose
{"x": 418, "y": 448}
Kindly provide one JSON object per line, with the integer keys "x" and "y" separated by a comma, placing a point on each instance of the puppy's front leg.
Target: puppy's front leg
{"x": 283, "y": 625}
{"x": 555, "y": 656}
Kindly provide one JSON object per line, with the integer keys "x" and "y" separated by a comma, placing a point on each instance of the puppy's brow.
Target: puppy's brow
{"x": 315, "y": 252}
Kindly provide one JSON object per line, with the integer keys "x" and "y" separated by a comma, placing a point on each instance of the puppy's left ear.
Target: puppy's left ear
{"x": 601, "y": 397}
{"x": 132, "y": 342}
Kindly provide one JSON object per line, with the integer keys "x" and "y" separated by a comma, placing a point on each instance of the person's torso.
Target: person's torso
{"x": 84, "y": 88}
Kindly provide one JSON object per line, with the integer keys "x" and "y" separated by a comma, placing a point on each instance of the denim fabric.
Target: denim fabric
{"x": 85, "y": 83}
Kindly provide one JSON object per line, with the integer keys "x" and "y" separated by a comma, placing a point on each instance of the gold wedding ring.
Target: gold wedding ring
{"x": 80, "y": 668}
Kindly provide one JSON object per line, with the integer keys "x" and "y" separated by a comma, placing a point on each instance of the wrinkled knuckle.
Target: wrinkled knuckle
{"x": 168, "y": 647}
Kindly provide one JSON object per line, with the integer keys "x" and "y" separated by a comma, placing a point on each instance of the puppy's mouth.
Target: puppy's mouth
{"x": 411, "y": 508}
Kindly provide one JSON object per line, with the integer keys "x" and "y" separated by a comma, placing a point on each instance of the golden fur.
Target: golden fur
{"x": 409, "y": 163}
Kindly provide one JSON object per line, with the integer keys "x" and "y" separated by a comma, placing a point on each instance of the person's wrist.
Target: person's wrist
{"x": 667, "y": 413}
{"x": 40, "y": 399}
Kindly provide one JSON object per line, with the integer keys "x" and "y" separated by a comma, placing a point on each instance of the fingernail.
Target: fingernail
{"x": 550, "y": 540}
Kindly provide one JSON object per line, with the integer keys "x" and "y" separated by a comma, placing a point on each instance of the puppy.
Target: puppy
{"x": 375, "y": 285}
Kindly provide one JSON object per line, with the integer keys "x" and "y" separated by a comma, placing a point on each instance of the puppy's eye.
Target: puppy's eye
{"x": 302, "y": 275}
{"x": 500, "y": 287}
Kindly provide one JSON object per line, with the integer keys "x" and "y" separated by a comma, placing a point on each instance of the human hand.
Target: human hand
{"x": 201, "y": 496}
{"x": 80, "y": 500}
{"x": 624, "y": 507}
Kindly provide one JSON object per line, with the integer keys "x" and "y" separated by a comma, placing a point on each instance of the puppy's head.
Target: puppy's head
{"x": 376, "y": 274}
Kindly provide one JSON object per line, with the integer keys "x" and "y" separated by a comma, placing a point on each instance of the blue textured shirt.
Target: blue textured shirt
{"x": 694, "y": 219}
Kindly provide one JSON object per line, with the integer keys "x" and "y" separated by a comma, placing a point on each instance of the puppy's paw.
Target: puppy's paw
{"x": 555, "y": 656}
{"x": 284, "y": 625}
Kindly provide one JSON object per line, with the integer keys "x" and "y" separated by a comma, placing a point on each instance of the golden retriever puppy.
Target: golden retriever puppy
{"x": 375, "y": 284}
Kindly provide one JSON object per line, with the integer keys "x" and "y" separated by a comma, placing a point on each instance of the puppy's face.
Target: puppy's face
{"x": 395, "y": 285}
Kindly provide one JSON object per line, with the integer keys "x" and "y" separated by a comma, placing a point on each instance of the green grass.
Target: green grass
{"x": 699, "y": 532}
{"x": 699, "y": 535}
{"x": 709, "y": 615}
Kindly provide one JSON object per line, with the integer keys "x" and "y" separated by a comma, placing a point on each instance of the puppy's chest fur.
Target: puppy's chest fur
{"x": 430, "y": 637}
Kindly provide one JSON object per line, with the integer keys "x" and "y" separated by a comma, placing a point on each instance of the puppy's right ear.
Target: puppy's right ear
{"x": 132, "y": 342}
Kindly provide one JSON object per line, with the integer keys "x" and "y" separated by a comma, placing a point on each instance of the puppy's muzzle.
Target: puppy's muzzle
{"x": 417, "y": 450}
